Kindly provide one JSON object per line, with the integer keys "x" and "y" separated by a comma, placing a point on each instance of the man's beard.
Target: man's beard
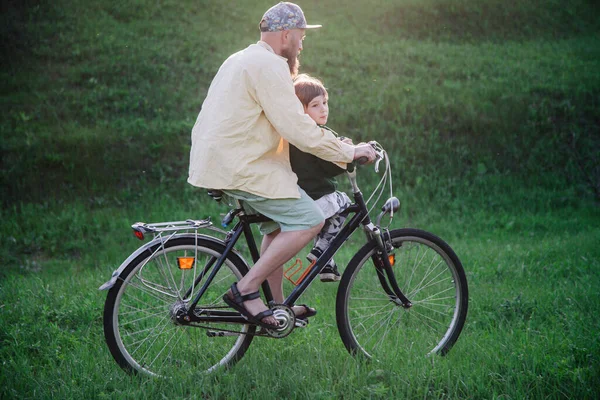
{"x": 292, "y": 61}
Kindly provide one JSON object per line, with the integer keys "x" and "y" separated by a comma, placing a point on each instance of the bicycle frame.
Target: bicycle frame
{"x": 243, "y": 226}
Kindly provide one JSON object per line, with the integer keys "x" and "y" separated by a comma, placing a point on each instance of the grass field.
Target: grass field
{"x": 489, "y": 110}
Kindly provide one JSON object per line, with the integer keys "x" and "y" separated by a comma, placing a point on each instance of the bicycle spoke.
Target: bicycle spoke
{"x": 147, "y": 291}
{"x": 414, "y": 266}
{"x": 422, "y": 286}
{"x": 165, "y": 346}
{"x": 371, "y": 315}
{"x": 384, "y": 335}
{"x": 379, "y": 293}
{"x": 145, "y": 317}
{"x": 143, "y": 332}
{"x": 136, "y": 310}
{"x": 154, "y": 333}
{"x": 434, "y": 311}
{"x": 426, "y": 318}
{"x": 432, "y": 297}
{"x": 383, "y": 323}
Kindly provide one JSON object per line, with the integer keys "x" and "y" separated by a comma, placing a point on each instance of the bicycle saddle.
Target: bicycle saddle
{"x": 216, "y": 194}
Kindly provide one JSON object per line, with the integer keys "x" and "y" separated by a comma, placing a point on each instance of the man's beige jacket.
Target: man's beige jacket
{"x": 240, "y": 139}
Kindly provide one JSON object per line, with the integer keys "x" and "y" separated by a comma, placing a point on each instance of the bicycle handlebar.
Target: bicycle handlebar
{"x": 364, "y": 160}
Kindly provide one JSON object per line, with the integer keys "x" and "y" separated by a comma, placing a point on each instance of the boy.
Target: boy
{"x": 317, "y": 176}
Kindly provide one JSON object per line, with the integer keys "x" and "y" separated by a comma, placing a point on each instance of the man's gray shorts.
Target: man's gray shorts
{"x": 287, "y": 214}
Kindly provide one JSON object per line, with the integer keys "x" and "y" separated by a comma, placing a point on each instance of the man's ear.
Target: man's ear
{"x": 285, "y": 36}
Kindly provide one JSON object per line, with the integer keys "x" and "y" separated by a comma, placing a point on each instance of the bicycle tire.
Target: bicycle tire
{"x": 138, "y": 319}
{"x": 432, "y": 277}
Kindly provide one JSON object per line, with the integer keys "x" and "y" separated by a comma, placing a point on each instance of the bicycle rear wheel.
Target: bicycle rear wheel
{"x": 429, "y": 273}
{"x": 139, "y": 323}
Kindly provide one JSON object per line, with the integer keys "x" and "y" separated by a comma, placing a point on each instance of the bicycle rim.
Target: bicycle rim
{"x": 139, "y": 324}
{"x": 429, "y": 274}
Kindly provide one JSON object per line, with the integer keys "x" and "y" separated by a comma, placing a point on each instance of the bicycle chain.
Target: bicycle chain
{"x": 281, "y": 312}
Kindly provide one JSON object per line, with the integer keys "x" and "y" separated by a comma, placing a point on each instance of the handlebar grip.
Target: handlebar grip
{"x": 360, "y": 161}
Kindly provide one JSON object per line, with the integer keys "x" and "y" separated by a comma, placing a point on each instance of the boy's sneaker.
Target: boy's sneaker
{"x": 314, "y": 254}
{"x": 330, "y": 272}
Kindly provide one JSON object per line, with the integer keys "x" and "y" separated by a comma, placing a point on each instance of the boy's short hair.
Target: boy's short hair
{"x": 307, "y": 88}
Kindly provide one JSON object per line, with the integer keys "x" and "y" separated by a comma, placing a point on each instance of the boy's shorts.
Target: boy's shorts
{"x": 287, "y": 214}
{"x": 333, "y": 203}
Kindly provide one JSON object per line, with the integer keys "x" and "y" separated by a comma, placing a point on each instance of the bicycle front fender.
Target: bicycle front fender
{"x": 157, "y": 241}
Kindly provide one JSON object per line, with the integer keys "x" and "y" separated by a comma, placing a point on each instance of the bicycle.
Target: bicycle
{"x": 404, "y": 290}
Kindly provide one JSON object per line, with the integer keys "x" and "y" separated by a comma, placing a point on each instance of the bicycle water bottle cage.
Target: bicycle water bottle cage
{"x": 296, "y": 273}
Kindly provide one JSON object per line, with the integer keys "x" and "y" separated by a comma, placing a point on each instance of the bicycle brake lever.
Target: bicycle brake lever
{"x": 379, "y": 159}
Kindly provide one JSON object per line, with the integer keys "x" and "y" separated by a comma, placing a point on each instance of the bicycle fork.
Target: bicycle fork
{"x": 383, "y": 266}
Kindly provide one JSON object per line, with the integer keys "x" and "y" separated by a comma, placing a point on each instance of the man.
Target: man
{"x": 240, "y": 145}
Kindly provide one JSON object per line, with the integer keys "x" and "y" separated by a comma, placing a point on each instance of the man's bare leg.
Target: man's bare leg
{"x": 275, "y": 279}
{"x": 277, "y": 251}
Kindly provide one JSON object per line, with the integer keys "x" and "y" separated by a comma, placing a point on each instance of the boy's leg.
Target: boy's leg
{"x": 331, "y": 205}
{"x": 332, "y": 227}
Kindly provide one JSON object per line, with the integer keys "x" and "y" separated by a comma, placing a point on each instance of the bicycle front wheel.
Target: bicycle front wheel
{"x": 430, "y": 275}
{"x": 139, "y": 314}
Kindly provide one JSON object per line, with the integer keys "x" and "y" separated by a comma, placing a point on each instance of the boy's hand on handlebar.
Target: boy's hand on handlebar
{"x": 364, "y": 153}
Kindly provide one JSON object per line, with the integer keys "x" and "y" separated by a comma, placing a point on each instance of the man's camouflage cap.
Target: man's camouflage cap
{"x": 284, "y": 16}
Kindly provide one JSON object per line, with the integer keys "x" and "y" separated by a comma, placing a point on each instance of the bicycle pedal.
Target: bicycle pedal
{"x": 301, "y": 323}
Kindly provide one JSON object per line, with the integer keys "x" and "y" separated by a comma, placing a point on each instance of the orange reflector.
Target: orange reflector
{"x": 185, "y": 262}
{"x": 139, "y": 235}
{"x": 392, "y": 259}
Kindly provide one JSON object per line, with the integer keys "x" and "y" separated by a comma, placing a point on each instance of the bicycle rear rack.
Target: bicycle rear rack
{"x": 140, "y": 229}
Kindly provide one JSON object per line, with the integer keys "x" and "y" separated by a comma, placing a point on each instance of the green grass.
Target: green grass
{"x": 531, "y": 329}
{"x": 489, "y": 110}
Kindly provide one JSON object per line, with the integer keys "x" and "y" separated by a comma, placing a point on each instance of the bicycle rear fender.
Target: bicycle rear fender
{"x": 115, "y": 275}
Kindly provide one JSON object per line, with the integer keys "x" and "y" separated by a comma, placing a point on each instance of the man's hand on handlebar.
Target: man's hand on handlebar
{"x": 364, "y": 153}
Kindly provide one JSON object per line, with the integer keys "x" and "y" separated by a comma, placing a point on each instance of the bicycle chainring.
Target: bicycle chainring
{"x": 285, "y": 317}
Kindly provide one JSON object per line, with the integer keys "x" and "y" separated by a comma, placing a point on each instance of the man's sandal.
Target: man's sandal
{"x": 237, "y": 303}
{"x": 309, "y": 312}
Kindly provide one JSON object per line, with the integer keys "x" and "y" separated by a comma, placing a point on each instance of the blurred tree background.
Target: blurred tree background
{"x": 474, "y": 99}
